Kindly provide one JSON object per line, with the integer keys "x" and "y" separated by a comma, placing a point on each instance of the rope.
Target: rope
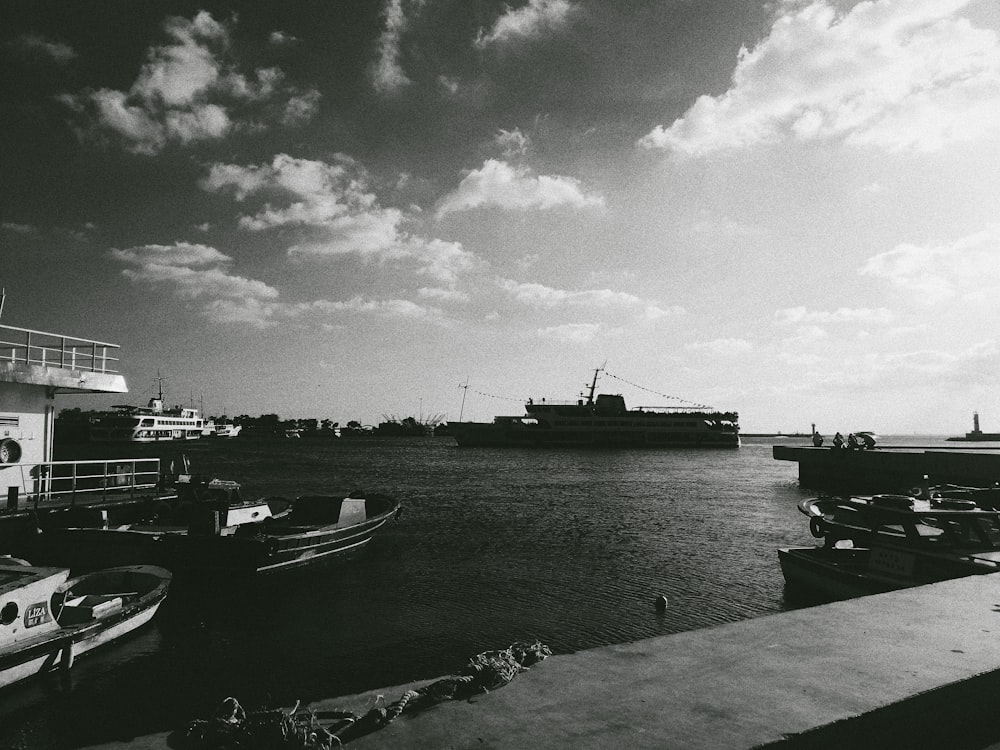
{"x": 233, "y": 727}
{"x": 492, "y": 395}
{"x": 657, "y": 393}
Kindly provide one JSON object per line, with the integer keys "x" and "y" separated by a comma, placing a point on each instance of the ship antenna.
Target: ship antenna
{"x": 3, "y": 296}
{"x": 465, "y": 392}
{"x": 159, "y": 382}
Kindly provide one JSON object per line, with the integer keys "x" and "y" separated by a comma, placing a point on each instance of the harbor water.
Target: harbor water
{"x": 493, "y": 546}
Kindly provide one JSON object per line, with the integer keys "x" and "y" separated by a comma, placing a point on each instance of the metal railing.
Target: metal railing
{"x": 65, "y": 483}
{"x": 55, "y": 350}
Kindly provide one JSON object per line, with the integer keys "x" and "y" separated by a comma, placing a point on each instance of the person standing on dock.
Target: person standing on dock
{"x": 838, "y": 441}
{"x": 817, "y": 439}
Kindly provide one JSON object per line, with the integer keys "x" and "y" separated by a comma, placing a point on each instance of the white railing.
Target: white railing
{"x": 64, "y": 483}
{"x": 55, "y": 350}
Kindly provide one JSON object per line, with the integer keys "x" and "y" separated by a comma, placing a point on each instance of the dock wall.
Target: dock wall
{"x": 918, "y": 668}
{"x": 889, "y": 470}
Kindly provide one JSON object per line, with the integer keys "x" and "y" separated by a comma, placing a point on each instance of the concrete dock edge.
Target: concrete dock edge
{"x": 913, "y": 668}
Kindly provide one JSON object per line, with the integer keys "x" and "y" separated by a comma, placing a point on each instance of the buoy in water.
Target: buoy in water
{"x": 661, "y": 602}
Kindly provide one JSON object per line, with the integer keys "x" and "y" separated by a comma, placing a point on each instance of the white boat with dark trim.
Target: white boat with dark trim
{"x": 47, "y": 619}
{"x": 148, "y": 424}
{"x": 604, "y": 421}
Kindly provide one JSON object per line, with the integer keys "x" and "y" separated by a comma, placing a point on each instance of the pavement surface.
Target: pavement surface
{"x": 908, "y": 669}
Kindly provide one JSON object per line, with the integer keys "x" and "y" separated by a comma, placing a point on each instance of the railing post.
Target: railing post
{"x": 27, "y": 348}
{"x": 62, "y": 352}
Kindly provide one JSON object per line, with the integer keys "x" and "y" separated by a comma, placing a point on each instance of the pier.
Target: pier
{"x": 912, "y": 668}
{"x": 889, "y": 469}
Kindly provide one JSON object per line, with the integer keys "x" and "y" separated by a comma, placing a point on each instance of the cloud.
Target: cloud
{"x": 197, "y": 272}
{"x": 189, "y": 90}
{"x": 723, "y": 347}
{"x": 391, "y": 308}
{"x": 967, "y": 268}
{"x": 889, "y": 74}
{"x": 34, "y": 46}
{"x": 802, "y": 316}
{"x": 387, "y": 72}
{"x": 515, "y": 188}
{"x": 577, "y": 333}
{"x": 541, "y": 296}
{"x": 528, "y": 22}
{"x": 512, "y": 142}
{"x": 338, "y": 214}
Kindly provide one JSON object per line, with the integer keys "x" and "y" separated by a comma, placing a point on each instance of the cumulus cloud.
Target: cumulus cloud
{"x": 189, "y": 90}
{"x": 391, "y": 308}
{"x": 199, "y": 272}
{"x": 530, "y": 21}
{"x": 889, "y": 74}
{"x": 966, "y": 268}
{"x": 333, "y": 205}
{"x": 36, "y": 46}
{"x": 499, "y": 184}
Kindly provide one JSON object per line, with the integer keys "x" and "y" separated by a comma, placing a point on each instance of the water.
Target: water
{"x": 493, "y": 546}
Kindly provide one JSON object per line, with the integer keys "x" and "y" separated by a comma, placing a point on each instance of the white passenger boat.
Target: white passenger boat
{"x": 47, "y": 619}
{"x": 148, "y": 424}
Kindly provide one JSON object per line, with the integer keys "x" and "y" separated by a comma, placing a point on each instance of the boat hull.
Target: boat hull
{"x": 59, "y": 649}
{"x": 259, "y": 549}
{"x": 488, "y": 434}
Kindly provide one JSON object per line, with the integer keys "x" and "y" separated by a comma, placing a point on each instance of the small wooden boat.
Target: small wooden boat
{"x": 213, "y": 529}
{"x": 889, "y": 542}
{"x": 47, "y": 619}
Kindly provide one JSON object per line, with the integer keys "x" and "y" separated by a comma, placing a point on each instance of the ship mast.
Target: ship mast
{"x": 593, "y": 386}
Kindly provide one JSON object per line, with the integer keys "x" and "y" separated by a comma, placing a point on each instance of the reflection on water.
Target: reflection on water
{"x": 493, "y": 546}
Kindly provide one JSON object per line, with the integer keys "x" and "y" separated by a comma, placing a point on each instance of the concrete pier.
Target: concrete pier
{"x": 909, "y": 669}
{"x": 890, "y": 469}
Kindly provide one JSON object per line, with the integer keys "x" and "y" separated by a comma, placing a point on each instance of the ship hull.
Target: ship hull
{"x": 486, "y": 434}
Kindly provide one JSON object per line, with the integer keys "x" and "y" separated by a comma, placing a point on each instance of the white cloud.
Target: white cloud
{"x": 37, "y": 46}
{"x": 387, "y": 73}
{"x": 890, "y": 74}
{"x": 197, "y": 272}
{"x": 801, "y": 315}
{"x": 541, "y": 296}
{"x": 967, "y": 268}
{"x": 391, "y": 308}
{"x": 515, "y": 188}
{"x": 527, "y": 22}
{"x": 332, "y": 204}
{"x": 576, "y": 333}
{"x": 190, "y": 90}
{"x": 724, "y": 347}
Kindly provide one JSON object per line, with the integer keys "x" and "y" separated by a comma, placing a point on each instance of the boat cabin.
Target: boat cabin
{"x": 26, "y": 601}
{"x": 36, "y": 366}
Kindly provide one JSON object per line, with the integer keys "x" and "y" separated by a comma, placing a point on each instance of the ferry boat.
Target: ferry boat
{"x": 604, "y": 421}
{"x": 35, "y": 367}
{"x": 148, "y": 424}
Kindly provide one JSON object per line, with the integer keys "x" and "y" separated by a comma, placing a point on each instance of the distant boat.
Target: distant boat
{"x": 48, "y": 619}
{"x": 148, "y": 424}
{"x": 293, "y": 433}
{"x": 603, "y": 422}
{"x": 227, "y": 429}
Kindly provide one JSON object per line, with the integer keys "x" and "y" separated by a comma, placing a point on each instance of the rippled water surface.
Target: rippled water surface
{"x": 493, "y": 546}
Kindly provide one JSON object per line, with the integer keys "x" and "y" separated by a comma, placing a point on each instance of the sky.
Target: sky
{"x": 350, "y": 210}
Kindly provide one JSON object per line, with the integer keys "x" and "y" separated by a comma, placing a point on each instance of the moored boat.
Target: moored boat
{"x": 603, "y": 421}
{"x": 212, "y": 528}
{"x": 887, "y": 542}
{"x": 47, "y": 619}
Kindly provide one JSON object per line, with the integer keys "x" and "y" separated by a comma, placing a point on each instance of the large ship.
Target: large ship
{"x": 148, "y": 424}
{"x": 604, "y": 421}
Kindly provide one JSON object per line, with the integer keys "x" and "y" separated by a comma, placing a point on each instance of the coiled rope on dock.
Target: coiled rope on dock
{"x": 232, "y": 727}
